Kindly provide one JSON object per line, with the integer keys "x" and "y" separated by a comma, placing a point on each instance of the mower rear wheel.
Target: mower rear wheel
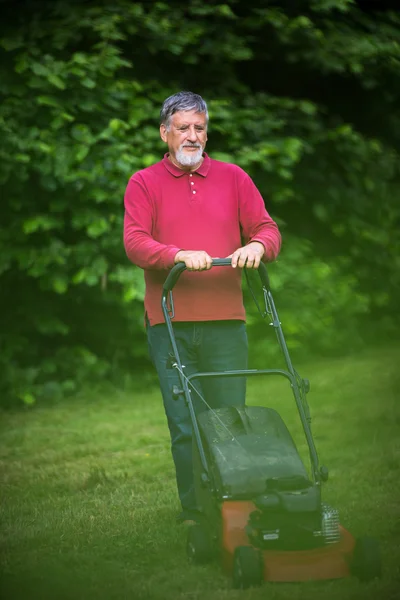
{"x": 199, "y": 548}
{"x": 367, "y": 563}
{"x": 247, "y": 567}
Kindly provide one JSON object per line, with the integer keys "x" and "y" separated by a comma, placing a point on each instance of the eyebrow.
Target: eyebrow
{"x": 188, "y": 124}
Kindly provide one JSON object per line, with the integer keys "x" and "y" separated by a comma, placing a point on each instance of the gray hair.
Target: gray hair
{"x": 181, "y": 101}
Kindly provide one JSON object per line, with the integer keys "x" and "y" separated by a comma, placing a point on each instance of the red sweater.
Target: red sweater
{"x": 217, "y": 209}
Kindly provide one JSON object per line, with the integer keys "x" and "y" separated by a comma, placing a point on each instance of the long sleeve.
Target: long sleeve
{"x": 141, "y": 248}
{"x": 255, "y": 222}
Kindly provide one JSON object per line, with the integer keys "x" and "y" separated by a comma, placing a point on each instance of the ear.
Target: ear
{"x": 163, "y": 133}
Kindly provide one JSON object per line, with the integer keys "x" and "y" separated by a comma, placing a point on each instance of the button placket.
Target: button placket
{"x": 193, "y": 191}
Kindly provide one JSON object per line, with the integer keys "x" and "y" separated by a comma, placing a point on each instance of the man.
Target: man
{"x": 190, "y": 208}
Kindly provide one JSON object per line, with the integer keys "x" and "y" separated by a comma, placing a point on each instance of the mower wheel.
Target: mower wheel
{"x": 366, "y": 564}
{"x": 247, "y": 567}
{"x": 198, "y": 547}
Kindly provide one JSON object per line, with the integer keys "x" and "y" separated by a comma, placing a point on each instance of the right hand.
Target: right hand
{"x": 195, "y": 260}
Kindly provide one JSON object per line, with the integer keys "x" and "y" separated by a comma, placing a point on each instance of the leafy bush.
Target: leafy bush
{"x": 81, "y": 85}
{"x": 318, "y": 304}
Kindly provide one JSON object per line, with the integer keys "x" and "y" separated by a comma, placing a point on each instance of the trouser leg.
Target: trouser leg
{"x": 224, "y": 347}
{"x": 177, "y": 411}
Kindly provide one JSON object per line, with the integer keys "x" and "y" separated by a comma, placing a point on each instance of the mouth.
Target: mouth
{"x": 192, "y": 147}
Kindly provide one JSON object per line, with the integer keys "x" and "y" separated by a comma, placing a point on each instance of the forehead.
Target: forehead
{"x": 188, "y": 117}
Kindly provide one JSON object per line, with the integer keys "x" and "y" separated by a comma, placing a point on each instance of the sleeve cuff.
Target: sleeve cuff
{"x": 170, "y": 256}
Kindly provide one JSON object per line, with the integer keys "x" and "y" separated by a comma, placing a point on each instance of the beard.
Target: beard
{"x": 189, "y": 159}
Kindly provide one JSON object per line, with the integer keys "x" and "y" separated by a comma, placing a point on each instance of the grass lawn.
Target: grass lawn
{"x": 88, "y": 496}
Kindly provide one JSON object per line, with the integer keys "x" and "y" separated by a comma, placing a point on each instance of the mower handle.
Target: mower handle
{"x": 178, "y": 269}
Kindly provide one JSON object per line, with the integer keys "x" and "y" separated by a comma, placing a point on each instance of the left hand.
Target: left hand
{"x": 248, "y": 256}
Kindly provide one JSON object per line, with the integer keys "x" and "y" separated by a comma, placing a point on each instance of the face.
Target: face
{"x": 186, "y": 137}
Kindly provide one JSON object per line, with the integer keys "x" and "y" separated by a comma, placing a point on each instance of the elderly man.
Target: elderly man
{"x": 190, "y": 208}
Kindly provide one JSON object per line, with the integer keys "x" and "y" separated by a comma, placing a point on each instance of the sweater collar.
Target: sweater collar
{"x": 176, "y": 172}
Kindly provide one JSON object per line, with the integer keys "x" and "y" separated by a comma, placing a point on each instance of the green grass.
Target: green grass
{"x": 89, "y": 500}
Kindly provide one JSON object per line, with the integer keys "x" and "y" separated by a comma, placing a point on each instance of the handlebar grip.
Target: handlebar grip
{"x": 178, "y": 269}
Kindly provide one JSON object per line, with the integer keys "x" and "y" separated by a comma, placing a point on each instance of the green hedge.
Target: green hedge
{"x": 302, "y": 98}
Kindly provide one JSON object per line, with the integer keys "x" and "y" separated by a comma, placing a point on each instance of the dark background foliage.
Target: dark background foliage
{"x": 303, "y": 94}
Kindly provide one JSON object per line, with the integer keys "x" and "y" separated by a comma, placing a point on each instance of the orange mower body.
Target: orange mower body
{"x": 332, "y": 561}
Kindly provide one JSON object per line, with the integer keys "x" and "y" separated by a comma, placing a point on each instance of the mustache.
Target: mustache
{"x": 191, "y": 146}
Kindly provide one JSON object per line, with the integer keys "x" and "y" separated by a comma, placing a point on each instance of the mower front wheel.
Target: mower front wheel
{"x": 247, "y": 567}
{"x": 366, "y": 564}
{"x": 198, "y": 547}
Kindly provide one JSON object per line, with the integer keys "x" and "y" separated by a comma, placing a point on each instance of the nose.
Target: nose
{"x": 192, "y": 134}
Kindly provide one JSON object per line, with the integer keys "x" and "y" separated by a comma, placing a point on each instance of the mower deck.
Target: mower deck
{"x": 328, "y": 562}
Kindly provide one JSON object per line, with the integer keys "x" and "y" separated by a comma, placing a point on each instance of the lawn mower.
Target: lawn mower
{"x": 261, "y": 511}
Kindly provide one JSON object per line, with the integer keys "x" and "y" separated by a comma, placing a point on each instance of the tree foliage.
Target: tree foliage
{"x": 302, "y": 95}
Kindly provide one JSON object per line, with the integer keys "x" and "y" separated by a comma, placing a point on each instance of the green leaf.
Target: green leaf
{"x": 27, "y": 398}
{"x": 150, "y": 159}
{"x": 88, "y": 83}
{"x": 97, "y": 228}
{"x": 48, "y": 101}
{"x": 43, "y": 147}
{"x": 226, "y": 11}
{"x": 41, "y": 223}
{"x": 329, "y": 5}
{"x": 80, "y": 58}
{"x": 69, "y": 385}
{"x": 79, "y": 276}
{"x": 223, "y": 156}
{"x": 82, "y": 153}
{"x": 40, "y": 69}
{"x": 21, "y": 64}
{"x": 308, "y": 107}
{"x": 60, "y": 284}
{"x": 23, "y": 158}
{"x": 56, "y": 81}
{"x": 12, "y": 43}
{"x": 321, "y": 212}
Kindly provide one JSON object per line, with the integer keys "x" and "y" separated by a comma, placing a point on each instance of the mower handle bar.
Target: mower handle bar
{"x": 178, "y": 269}
{"x": 291, "y": 374}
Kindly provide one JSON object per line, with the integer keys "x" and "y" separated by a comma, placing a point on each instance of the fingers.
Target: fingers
{"x": 257, "y": 260}
{"x": 197, "y": 261}
{"x": 241, "y": 258}
{"x": 246, "y": 257}
{"x": 235, "y": 258}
